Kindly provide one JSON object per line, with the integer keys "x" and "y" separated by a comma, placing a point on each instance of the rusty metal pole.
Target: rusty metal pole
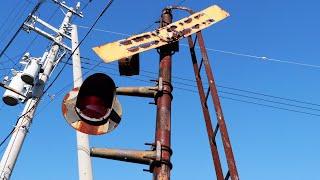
{"x": 220, "y": 118}
{"x": 137, "y": 91}
{"x": 133, "y": 156}
{"x": 161, "y": 170}
{"x": 206, "y": 114}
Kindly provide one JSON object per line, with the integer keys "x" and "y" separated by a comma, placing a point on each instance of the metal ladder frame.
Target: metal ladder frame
{"x": 221, "y": 124}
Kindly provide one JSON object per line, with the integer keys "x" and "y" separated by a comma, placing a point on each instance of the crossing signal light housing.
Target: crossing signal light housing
{"x": 129, "y": 66}
{"x": 94, "y": 107}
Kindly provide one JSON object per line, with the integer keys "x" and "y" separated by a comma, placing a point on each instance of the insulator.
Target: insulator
{"x": 26, "y": 56}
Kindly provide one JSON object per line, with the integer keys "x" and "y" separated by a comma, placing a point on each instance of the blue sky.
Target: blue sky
{"x": 268, "y": 143}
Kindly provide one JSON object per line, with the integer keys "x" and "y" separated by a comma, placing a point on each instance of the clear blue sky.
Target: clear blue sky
{"x": 268, "y": 143}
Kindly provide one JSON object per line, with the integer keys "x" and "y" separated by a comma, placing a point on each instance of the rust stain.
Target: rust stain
{"x": 133, "y": 49}
{"x": 211, "y": 20}
{"x": 197, "y": 26}
{"x": 125, "y": 42}
{"x": 189, "y": 20}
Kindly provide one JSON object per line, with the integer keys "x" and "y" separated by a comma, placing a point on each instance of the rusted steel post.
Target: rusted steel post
{"x": 206, "y": 114}
{"x": 137, "y": 91}
{"x": 222, "y": 125}
{"x": 133, "y": 156}
{"x": 161, "y": 170}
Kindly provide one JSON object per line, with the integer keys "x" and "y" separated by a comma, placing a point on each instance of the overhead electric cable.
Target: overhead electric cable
{"x": 107, "y": 6}
{"x": 263, "y": 58}
{"x": 14, "y": 21}
{"x": 6, "y": 19}
{"x": 225, "y": 97}
{"x": 95, "y": 22}
{"x": 153, "y": 23}
{"x": 255, "y": 103}
{"x": 221, "y": 86}
{"x": 86, "y": 5}
{"x": 17, "y": 32}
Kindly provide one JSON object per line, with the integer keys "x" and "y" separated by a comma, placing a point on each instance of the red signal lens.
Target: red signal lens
{"x": 93, "y": 107}
{"x": 95, "y": 98}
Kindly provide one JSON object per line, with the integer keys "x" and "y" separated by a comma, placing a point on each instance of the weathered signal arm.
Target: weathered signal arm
{"x": 162, "y": 36}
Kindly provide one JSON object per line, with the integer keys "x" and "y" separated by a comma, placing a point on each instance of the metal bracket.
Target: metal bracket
{"x": 13, "y": 90}
{"x": 144, "y": 91}
{"x": 162, "y": 90}
{"x": 45, "y": 34}
{"x": 160, "y": 84}
{"x": 158, "y": 148}
{"x": 37, "y": 19}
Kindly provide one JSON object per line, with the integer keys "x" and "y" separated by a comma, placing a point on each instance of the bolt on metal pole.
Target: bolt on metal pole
{"x": 14, "y": 146}
{"x": 83, "y": 149}
{"x": 161, "y": 171}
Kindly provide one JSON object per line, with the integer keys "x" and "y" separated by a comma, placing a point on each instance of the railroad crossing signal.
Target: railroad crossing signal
{"x": 89, "y": 108}
{"x": 127, "y": 51}
{"x": 94, "y": 107}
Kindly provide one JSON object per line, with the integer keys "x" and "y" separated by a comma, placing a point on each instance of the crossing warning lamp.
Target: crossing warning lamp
{"x": 94, "y": 107}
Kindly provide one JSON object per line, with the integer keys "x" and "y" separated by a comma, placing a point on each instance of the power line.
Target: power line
{"x": 20, "y": 11}
{"x": 154, "y": 22}
{"x": 13, "y": 130}
{"x": 6, "y": 19}
{"x": 268, "y": 95}
{"x": 27, "y": 48}
{"x": 62, "y": 89}
{"x": 102, "y": 30}
{"x": 225, "y": 97}
{"x": 263, "y": 58}
{"x": 241, "y": 90}
{"x": 7, "y": 137}
{"x": 254, "y": 103}
{"x": 95, "y": 22}
{"x": 86, "y": 5}
{"x": 11, "y": 60}
{"x": 180, "y": 88}
{"x": 108, "y": 5}
{"x": 226, "y": 87}
{"x": 270, "y": 106}
{"x": 262, "y": 99}
{"x": 35, "y": 9}
{"x": 59, "y": 92}
{"x": 59, "y": 73}
{"x": 37, "y": 35}
{"x": 17, "y": 32}
{"x": 260, "y": 58}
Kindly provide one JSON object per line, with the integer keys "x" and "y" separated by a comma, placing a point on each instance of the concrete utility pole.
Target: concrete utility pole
{"x": 83, "y": 149}
{"x": 12, "y": 151}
